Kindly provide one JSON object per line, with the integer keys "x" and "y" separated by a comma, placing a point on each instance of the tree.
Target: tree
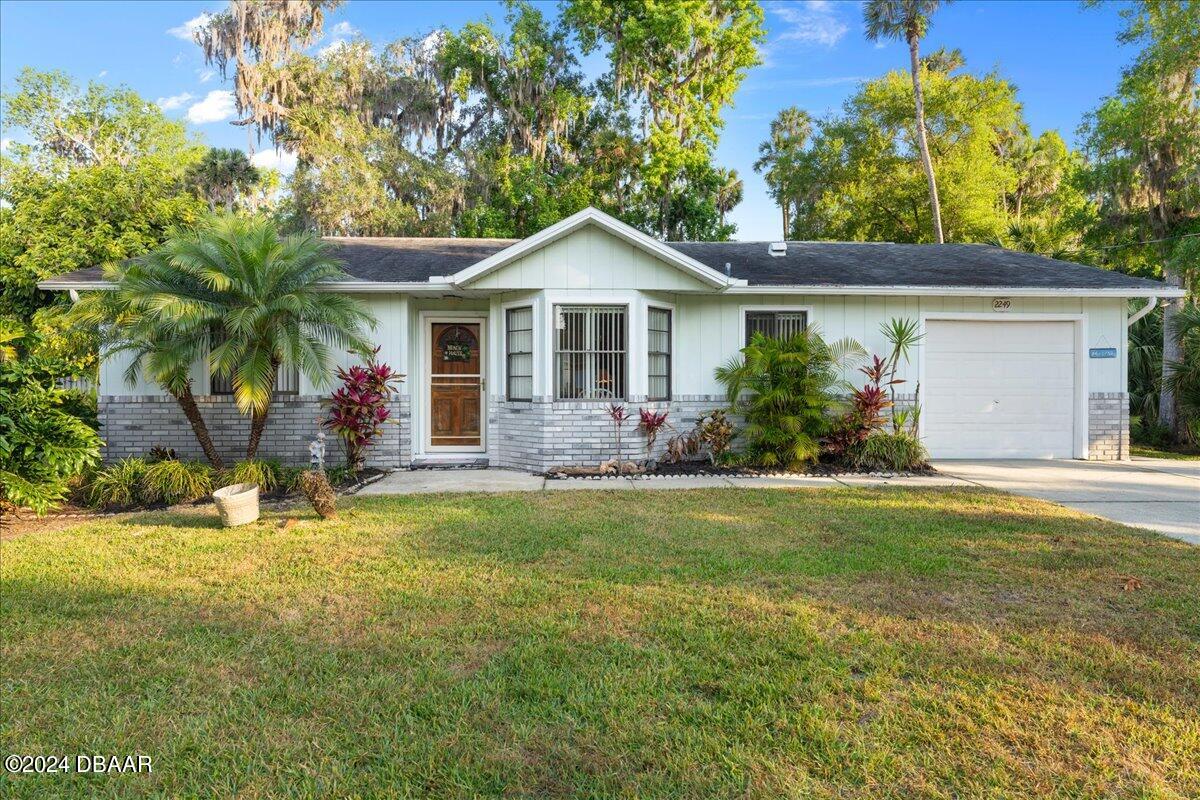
{"x": 42, "y": 444}
{"x": 729, "y": 191}
{"x": 1143, "y": 145}
{"x": 909, "y": 20}
{"x": 163, "y": 346}
{"x": 100, "y": 179}
{"x": 222, "y": 176}
{"x": 855, "y": 180}
{"x": 262, "y": 295}
{"x": 779, "y": 157}
{"x": 257, "y": 38}
{"x": 683, "y": 61}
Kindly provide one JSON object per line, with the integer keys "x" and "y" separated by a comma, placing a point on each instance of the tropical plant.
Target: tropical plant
{"x": 650, "y": 424}
{"x": 42, "y": 446}
{"x": 259, "y": 292}
{"x": 903, "y": 334}
{"x": 171, "y": 481}
{"x": 619, "y": 416}
{"x": 118, "y": 485}
{"x": 359, "y": 407}
{"x": 264, "y": 473}
{"x": 1183, "y": 373}
{"x": 889, "y": 451}
{"x": 161, "y": 349}
{"x": 317, "y": 488}
{"x": 221, "y": 176}
{"x": 715, "y": 431}
{"x": 909, "y": 20}
{"x": 785, "y": 388}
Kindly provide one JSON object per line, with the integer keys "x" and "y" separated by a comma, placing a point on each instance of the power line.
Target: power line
{"x": 1149, "y": 241}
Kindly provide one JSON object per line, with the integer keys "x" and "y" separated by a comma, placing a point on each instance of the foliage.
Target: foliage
{"x": 785, "y": 388}
{"x": 359, "y": 407}
{"x": 42, "y": 445}
{"x": 118, "y": 485}
{"x": 619, "y": 416}
{"x": 222, "y": 176}
{"x": 1145, "y": 367}
{"x": 170, "y": 481}
{"x": 265, "y": 473}
{"x": 1183, "y": 374}
{"x": 715, "y": 431}
{"x": 901, "y": 452}
{"x": 650, "y": 423}
{"x": 98, "y": 180}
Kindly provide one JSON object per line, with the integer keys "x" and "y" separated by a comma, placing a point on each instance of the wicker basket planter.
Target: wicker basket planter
{"x": 237, "y": 504}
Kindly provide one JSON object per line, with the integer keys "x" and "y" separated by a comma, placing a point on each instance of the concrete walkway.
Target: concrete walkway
{"x": 1156, "y": 493}
{"x": 503, "y": 480}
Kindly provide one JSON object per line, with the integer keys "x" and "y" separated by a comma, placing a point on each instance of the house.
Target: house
{"x": 514, "y": 349}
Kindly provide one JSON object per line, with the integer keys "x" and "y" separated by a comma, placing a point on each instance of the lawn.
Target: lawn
{"x": 1179, "y": 454}
{"x": 727, "y": 643}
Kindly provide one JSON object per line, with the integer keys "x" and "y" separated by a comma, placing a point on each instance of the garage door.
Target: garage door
{"x": 999, "y": 389}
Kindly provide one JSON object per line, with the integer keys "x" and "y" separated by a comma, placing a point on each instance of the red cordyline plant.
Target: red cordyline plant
{"x": 619, "y": 415}
{"x": 650, "y": 424}
{"x": 868, "y": 404}
{"x": 358, "y": 409}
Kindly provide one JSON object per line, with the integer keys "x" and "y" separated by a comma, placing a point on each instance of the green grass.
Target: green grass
{"x": 730, "y": 643}
{"x": 1182, "y": 454}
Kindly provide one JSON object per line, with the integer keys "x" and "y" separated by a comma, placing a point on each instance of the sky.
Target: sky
{"x": 1062, "y": 57}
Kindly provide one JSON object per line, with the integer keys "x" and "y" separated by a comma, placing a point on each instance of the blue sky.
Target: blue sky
{"x": 1062, "y": 58}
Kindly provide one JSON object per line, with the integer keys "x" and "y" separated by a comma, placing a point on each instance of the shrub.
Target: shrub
{"x": 42, "y": 445}
{"x": 785, "y": 388}
{"x": 358, "y": 409}
{"x": 263, "y": 472}
{"x": 118, "y": 485}
{"x": 889, "y": 451}
{"x": 650, "y": 424}
{"x": 866, "y": 411}
{"x": 170, "y": 481}
{"x": 289, "y": 478}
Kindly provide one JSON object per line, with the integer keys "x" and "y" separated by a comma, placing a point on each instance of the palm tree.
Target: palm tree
{"x": 778, "y": 155}
{"x": 221, "y": 175}
{"x": 729, "y": 191}
{"x": 263, "y": 294}
{"x": 162, "y": 350}
{"x": 909, "y": 20}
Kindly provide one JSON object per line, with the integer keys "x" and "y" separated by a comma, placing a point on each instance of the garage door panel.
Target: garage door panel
{"x": 999, "y": 389}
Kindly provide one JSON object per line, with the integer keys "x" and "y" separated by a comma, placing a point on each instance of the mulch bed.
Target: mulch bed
{"x": 686, "y": 469}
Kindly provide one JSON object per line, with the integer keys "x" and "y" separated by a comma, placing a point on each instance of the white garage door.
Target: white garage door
{"x": 999, "y": 389}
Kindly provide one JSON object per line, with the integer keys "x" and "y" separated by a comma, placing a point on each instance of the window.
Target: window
{"x": 287, "y": 380}
{"x": 518, "y": 331}
{"x": 589, "y": 352}
{"x": 658, "y": 354}
{"x": 775, "y": 324}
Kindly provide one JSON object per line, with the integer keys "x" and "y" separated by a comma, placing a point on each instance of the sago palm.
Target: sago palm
{"x": 784, "y": 388}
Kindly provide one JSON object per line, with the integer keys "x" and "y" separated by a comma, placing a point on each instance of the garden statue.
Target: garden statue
{"x": 316, "y": 451}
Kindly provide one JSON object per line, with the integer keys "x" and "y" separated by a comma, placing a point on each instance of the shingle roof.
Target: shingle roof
{"x": 870, "y": 264}
{"x": 819, "y": 264}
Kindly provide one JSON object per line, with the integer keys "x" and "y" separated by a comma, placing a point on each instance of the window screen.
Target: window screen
{"x": 519, "y": 349}
{"x": 775, "y": 324}
{"x": 658, "y": 354}
{"x": 589, "y": 352}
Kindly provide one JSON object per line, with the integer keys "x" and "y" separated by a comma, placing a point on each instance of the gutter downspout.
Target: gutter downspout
{"x": 1151, "y": 302}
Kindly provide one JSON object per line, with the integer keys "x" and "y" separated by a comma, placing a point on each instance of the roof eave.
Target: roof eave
{"x": 972, "y": 291}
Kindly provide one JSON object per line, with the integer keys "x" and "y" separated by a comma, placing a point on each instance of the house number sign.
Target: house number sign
{"x": 1001, "y": 304}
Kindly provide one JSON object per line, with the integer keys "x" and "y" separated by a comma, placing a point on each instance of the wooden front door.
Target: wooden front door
{"x": 455, "y": 386}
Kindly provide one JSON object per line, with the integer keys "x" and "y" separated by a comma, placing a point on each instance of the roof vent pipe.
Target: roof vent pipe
{"x": 777, "y": 249}
{"x": 728, "y": 269}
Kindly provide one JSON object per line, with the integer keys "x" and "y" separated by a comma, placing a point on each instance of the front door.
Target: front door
{"x": 455, "y": 386}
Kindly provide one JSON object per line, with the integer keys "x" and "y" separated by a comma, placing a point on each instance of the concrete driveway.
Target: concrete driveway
{"x": 1160, "y": 494}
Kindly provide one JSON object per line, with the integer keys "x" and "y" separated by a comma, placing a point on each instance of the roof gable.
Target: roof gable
{"x": 476, "y": 274}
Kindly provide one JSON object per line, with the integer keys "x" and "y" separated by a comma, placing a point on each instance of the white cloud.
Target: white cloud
{"x": 343, "y": 30}
{"x": 206, "y": 75}
{"x": 187, "y": 30}
{"x": 217, "y": 106}
{"x": 103, "y": 72}
{"x": 282, "y": 161}
{"x": 174, "y": 101}
{"x": 332, "y": 47}
{"x": 810, "y": 22}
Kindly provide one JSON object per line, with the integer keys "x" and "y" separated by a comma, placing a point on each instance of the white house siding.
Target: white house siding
{"x": 591, "y": 266}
